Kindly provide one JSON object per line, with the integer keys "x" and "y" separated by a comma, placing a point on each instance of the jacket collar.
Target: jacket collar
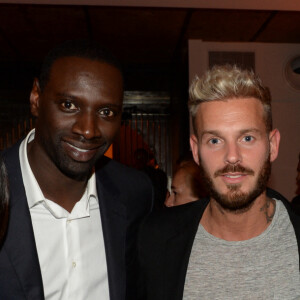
{"x": 114, "y": 224}
{"x": 20, "y": 244}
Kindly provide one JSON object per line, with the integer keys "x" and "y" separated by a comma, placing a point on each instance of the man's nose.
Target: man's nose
{"x": 233, "y": 153}
{"x": 87, "y": 125}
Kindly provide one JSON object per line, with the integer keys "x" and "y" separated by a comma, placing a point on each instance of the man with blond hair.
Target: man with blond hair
{"x": 243, "y": 241}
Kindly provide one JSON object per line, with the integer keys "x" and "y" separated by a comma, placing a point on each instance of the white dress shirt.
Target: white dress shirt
{"x": 70, "y": 246}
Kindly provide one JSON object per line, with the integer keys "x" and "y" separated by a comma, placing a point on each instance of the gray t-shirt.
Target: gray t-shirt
{"x": 264, "y": 267}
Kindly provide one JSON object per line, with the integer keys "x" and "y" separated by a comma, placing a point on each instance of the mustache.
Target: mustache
{"x": 233, "y": 169}
{"x": 81, "y": 142}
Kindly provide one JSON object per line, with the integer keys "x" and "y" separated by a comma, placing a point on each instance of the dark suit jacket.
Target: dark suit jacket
{"x": 125, "y": 197}
{"x": 165, "y": 245}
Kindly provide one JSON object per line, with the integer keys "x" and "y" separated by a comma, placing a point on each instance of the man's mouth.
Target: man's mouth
{"x": 81, "y": 153}
{"x": 234, "y": 171}
{"x": 234, "y": 176}
{"x": 81, "y": 149}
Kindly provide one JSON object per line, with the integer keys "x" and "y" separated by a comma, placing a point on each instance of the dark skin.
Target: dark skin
{"x": 78, "y": 116}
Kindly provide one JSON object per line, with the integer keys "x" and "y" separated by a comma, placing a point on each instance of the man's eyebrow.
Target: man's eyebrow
{"x": 211, "y": 132}
{"x": 250, "y": 130}
{"x": 218, "y": 133}
{"x": 66, "y": 95}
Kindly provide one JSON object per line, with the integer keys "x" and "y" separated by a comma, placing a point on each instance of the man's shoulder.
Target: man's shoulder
{"x": 173, "y": 220}
{"x": 295, "y": 219}
{"x": 176, "y": 225}
{"x": 119, "y": 172}
{"x": 276, "y": 195}
{"x": 12, "y": 151}
{"x": 11, "y": 158}
{"x": 133, "y": 188}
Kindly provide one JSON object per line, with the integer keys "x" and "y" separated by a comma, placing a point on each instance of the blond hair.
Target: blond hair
{"x": 226, "y": 82}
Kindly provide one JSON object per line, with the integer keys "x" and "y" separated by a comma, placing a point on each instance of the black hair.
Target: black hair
{"x": 79, "y": 48}
{"x": 4, "y": 199}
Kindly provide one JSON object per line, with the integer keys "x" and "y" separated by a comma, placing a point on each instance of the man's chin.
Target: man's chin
{"x": 234, "y": 198}
{"x": 77, "y": 170}
{"x": 80, "y": 170}
{"x": 236, "y": 202}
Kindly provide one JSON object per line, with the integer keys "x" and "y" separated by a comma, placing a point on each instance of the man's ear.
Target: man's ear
{"x": 35, "y": 98}
{"x": 195, "y": 148}
{"x": 274, "y": 140}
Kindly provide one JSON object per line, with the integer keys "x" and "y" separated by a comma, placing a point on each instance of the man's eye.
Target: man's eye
{"x": 248, "y": 138}
{"x": 107, "y": 112}
{"x": 68, "y": 105}
{"x": 214, "y": 141}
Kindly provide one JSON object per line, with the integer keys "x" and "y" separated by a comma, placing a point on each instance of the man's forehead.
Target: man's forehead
{"x": 240, "y": 113}
{"x": 72, "y": 61}
{"x": 69, "y": 68}
{"x": 221, "y": 107}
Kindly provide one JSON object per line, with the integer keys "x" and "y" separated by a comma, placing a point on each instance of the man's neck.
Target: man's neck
{"x": 239, "y": 226}
{"x": 55, "y": 185}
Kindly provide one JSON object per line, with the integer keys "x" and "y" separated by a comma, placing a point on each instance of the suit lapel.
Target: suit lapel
{"x": 20, "y": 244}
{"x": 113, "y": 218}
{"x": 178, "y": 247}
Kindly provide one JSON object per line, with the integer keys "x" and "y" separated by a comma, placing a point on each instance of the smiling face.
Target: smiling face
{"x": 78, "y": 113}
{"x": 234, "y": 150}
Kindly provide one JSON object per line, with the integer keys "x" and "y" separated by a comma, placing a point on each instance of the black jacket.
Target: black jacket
{"x": 165, "y": 246}
{"x": 125, "y": 197}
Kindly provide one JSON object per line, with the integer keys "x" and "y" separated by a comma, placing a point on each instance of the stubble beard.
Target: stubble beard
{"x": 235, "y": 200}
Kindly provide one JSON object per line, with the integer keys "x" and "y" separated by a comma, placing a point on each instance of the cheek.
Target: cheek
{"x": 109, "y": 129}
{"x": 57, "y": 126}
{"x": 52, "y": 120}
{"x": 255, "y": 158}
{"x": 178, "y": 199}
{"x": 211, "y": 161}
{"x": 47, "y": 126}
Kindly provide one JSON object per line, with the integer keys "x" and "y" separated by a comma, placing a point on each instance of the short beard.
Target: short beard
{"x": 235, "y": 200}
{"x": 78, "y": 171}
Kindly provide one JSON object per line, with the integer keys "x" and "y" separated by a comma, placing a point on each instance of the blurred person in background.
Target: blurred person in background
{"x": 187, "y": 184}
